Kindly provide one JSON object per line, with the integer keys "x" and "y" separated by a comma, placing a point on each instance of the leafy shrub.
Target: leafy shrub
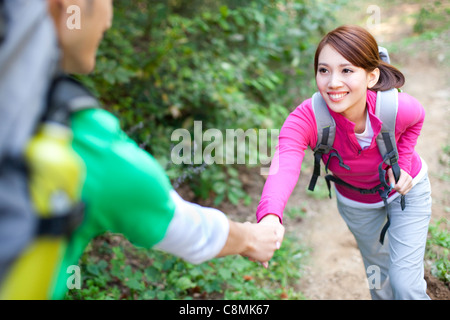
{"x": 113, "y": 269}
{"x": 229, "y": 64}
{"x": 438, "y": 249}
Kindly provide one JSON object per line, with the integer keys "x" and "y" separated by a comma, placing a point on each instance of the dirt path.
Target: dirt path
{"x": 335, "y": 269}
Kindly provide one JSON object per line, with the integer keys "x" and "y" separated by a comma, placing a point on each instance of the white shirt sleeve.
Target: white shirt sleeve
{"x": 195, "y": 234}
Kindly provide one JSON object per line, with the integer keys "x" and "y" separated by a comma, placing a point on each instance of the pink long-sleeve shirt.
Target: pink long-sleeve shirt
{"x": 300, "y": 131}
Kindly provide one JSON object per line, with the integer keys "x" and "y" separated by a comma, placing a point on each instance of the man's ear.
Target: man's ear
{"x": 56, "y": 10}
{"x": 373, "y": 77}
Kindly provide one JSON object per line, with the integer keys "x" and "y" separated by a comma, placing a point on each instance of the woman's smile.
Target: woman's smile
{"x": 337, "y": 96}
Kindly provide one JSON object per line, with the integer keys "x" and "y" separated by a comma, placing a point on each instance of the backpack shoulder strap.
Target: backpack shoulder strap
{"x": 326, "y": 131}
{"x": 2, "y": 21}
{"x": 384, "y": 54}
{"x": 386, "y": 111}
{"x": 67, "y": 95}
{"x": 326, "y": 127}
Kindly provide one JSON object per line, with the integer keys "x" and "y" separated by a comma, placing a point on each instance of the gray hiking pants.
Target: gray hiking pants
{"x": 394, "y": 270}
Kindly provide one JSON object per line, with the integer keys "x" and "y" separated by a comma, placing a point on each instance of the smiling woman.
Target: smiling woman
{"x": 349, "y": 72}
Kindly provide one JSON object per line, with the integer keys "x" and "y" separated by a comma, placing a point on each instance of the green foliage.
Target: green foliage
{"x": 438, "y": 249}
{"x": 444, "y": 160}
{"x": 112, "y": 272}
{"x": 223, "y": 182}
{"x": 433, "y": 16}
{"x": 295, "y": 212}
{"x": 232, "y": 64}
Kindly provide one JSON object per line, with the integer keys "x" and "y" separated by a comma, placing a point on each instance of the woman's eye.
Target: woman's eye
{"x": 347, "y": 71}
{"x": 323, "y": 70}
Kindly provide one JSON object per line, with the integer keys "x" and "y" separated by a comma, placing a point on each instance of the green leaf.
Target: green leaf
{"x": 224, "y": 11}
{"x": 233, "y": 197}
{"x": 184, "y": 283}
{"x": 218, "y": 200}
{"x": 219, "y": 187}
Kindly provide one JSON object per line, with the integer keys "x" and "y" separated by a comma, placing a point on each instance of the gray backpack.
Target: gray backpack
{"x": 31, "y": 90}
{"x": 386, "y": 111}
{"x": 23, "y": 24}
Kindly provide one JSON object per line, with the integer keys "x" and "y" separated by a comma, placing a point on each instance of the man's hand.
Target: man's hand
{"x": 258, "y": 242}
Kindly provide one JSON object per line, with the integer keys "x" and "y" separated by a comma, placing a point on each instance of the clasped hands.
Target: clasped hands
{"x": 266, "y": 237}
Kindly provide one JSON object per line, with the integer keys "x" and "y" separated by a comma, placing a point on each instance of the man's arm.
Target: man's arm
{"x": 256, "y": 241}
{"x": 197, "y": 234}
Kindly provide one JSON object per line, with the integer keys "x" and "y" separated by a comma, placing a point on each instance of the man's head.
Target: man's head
{"x": 79, "y": 44}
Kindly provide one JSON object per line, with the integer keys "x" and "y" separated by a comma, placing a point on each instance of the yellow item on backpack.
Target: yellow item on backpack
{"x": 56, "y": 177}
{"x": 56, "y": 170}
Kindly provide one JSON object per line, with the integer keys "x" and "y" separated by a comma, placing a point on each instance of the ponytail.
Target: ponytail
{"x": 390, "y": 77}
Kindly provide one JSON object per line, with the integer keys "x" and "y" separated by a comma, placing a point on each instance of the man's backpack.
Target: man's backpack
{"x": 33, "y": 94}
{"x": 386, "y": 111}
{"x": 2, "y": 21}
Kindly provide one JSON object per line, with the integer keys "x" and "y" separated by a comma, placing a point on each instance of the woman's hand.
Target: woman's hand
{"x": 404, "y": 184}
{"x": 264, "y": 240}
{"x": 273, "y": 221}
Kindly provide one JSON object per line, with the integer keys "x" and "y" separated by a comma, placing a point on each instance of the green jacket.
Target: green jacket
{"x": 126, "y": 190}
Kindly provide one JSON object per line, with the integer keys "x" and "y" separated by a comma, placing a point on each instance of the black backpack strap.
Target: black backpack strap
{"x": 326, "y": 131}
{"x": 62, "y": 225}
{"x": 384, "y": 191}
{"x": 2, "y": 21}
{"x": 67, "y": 95}
{"x": 386, "y": 110}
{"x": 341, "y": 182}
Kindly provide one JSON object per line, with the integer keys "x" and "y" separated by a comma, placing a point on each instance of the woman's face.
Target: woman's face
{"x": 341, "y": 84}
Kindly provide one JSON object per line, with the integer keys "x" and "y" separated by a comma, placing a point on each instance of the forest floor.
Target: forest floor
{"x": 334, "y": 269}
